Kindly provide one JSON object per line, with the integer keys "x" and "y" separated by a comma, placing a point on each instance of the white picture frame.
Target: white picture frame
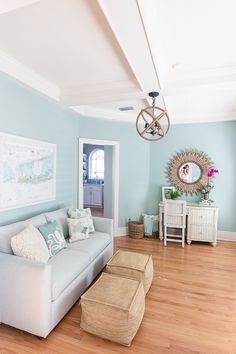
{"x": 27, "y": 172}
{"x": 165, "y": 190}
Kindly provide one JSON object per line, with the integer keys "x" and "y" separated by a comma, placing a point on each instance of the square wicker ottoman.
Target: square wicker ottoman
{"x": 113, "y": 308}
{"x": 132, "y": 265}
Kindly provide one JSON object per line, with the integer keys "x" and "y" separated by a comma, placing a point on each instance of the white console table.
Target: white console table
{"x": 201, "y": 223}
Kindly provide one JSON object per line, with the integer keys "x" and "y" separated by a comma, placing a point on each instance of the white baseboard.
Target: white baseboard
{"x": 121, "y": 231}
{"x": 221, "y": 235}
{"x": 226, "y": 236}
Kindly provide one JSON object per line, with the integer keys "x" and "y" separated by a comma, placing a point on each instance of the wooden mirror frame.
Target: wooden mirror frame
{"x": 189, "y": 155}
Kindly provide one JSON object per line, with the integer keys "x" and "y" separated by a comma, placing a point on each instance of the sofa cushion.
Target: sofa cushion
{"x": 7, "y": 231}
{"x": 60, "y": 216}
{"x": 30, "y": 244}
{"x": 53, "y": 236}
{"x": 66, "y": 266}
{"x": 93, "y": 246}
{"x": 36, "y": 220}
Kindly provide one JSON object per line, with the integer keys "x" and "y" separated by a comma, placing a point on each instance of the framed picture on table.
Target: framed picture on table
{"x": 166, "y": 192}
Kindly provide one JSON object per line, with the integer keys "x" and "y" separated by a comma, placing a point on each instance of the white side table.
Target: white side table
{"x": 201, "y": 223}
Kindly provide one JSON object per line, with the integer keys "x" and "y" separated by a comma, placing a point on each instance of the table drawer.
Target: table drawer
{"x": 201, "y": 217}
{"x": 202, "y": 233}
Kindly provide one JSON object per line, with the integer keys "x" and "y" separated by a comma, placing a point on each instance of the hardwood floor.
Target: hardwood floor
{"x": 190, "y": 307}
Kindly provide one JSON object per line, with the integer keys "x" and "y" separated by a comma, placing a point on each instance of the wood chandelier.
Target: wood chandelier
{"x": 153, "y": 122}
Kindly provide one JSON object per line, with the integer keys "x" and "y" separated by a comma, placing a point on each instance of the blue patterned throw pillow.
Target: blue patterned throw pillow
{"x": 151, "y": 217}
{"x": 79, "y": 213}
{"x": 53, "y": 237}
{"x": 77, "y": 230}
{"x": 84, "y": 215}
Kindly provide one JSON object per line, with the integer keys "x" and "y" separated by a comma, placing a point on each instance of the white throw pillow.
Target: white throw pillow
{"x": 150, "y": 217}
{"x": 82, "y": 214}
{"x": 77, "y": 230}
{"x": 30, "y": 244}
{"x": 79, "y": 213}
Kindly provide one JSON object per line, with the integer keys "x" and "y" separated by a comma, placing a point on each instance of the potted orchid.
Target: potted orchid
{"x": 209, "y": 186}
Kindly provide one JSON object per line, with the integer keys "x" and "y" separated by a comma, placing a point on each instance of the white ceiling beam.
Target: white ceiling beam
{"x": 92, "y": 94}
{"x": 11, "y": 5}
{"x": 125, "y": 20}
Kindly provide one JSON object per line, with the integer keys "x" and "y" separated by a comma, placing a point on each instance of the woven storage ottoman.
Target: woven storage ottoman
{"x": 113, "y": 308}
{"x": 132, "y": 265}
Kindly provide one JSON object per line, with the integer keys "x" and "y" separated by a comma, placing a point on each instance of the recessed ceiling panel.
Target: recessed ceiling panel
{"x": 67, "y": 42}
{"x": 202, "y": 107}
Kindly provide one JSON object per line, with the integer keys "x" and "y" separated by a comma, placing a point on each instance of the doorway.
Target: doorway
{"x": 99, "y": 177}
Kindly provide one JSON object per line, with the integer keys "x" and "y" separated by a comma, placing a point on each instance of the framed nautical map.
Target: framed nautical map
{"x": 27, "y": 171}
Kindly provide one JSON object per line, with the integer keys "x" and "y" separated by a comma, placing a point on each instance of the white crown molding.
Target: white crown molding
{"x": 113, "y": 115}
{"x": 94, "y": 112}
{"x": 20, "y": 72}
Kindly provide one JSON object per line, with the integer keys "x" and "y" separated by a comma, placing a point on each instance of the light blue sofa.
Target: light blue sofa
{"x": 35, "y": 296}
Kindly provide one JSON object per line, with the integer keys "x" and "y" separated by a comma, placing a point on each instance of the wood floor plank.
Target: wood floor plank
{"x": 190, "y": 308}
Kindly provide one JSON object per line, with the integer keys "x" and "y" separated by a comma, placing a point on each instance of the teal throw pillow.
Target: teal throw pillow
{"x": 53, "y": 237}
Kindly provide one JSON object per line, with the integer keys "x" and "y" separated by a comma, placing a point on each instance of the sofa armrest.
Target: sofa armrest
{"x": 25, "y": 295}
{"x": 103, "y": 225}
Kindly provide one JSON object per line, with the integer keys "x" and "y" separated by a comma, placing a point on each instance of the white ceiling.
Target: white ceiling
{"x": 9, "y": 5}
{"x": 192, "y": 46}
{"x": 96, "y": 56}
{"x": 67, "y": 42}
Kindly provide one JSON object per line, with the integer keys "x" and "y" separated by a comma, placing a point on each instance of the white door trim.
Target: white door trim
{"x": 115, "y": 173}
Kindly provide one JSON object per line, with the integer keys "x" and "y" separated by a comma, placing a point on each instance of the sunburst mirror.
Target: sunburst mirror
{"x": 187, "y": 170}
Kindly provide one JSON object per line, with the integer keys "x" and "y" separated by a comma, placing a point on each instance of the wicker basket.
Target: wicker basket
{"x": 136, "y": 229}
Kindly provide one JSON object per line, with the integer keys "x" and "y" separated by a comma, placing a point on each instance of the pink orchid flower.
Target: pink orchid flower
{"x": 212, "y": 172}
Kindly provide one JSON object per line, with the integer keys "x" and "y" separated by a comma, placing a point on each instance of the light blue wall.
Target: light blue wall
{"x": 218, "y": 140}
{"x": 26, "y": 113}
{"x": 134, "y": 163}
